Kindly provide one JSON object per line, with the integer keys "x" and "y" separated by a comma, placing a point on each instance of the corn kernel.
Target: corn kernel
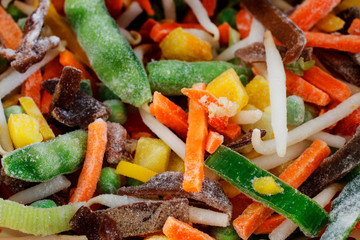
{"x": 153, "y": 154}
{"x": 32, "y": 110}
{"x": 330, "y": 23}
{"x": 134, "y": 171}
{"x": 176, "y": 164}
{"x": 184, "y": 46}
{"x": 258, "y": 91}
{"x": 266, "y": 186}
{"x": 229, "y": 85}
{"x": 347, "y": 4}
{"x": 24, "y": 130}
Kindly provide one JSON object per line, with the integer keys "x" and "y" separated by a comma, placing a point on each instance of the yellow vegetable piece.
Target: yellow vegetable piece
{"x": 11, "y": 101}
{"x": 157, "y": 237}
{"x": 24, "y": 130}
{"x": 32, "y": 110}
{"x": 153, "y": 154}
{"x": 266, "y": 186}
{"x": 176, "y": 164}
{"x": 330, "y": 23}
{"x": 134, "y": 171}
{"x": 263, "y": 123}
{"x": 184, "y": 46}
{"x": 347, "y": 4}
{"x": 228, "y": 85}
{"x": 258, "y": 91}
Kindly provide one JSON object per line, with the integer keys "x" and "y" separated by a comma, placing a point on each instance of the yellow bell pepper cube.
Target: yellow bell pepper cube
{"x": 258, "y": 91}
{"x": 32, "y": 110}
{"x": 228, "y": 85}
{"x": 24, "y": 130}
{"x": 330, "y": 23}
{"x": 157, "y": 237}
{"x": 134, "y": 171}
{"x": 184, "y": 46}
{"x": 176, "y": 164}
{"x": 266, "y": 186}
{"x": 153, "y": 154}
{"x": 11, "y": 101}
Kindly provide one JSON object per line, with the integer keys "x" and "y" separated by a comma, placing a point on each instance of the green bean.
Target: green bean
{"x": 109, "y": 181}
{"x": 12, "y": 110}
{"x": 118, "y": 111}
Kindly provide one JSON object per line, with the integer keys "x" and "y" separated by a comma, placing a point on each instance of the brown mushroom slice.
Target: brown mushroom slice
{"x": 128, "y": 220}
{"x": 244, "y": 140}
{"x": 170, "y": 183}
{"x": 118, "y": 147}
{"x": 280, "y": 26}
{"x": 256, "y": 53}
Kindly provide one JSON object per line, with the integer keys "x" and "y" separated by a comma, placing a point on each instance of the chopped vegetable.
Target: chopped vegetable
{"x": 348, "y": 43}
{"x": 243, "y": 22}
{"x": 109, "y": 181}
{"x": 213, "y": 141}
{"x": 355, "y": 27}
{"x": 46, "y": 203}
{"x": 10, "y": 34}
{"x": 266, "y": 186}
{"x": 300, "y": 66}
{"x": 134, "y": 171}
{"x": 15, "y": 109}
{"x": 118, "y": 111}
{"x": 32, "y": 87}
{"x": 258, "y": 91}
{"x": 330, "y": 23}
{"x": 295, "y": 110}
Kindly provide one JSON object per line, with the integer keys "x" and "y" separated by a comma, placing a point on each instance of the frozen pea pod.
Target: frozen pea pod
{"x": 109, "y": 53}
{"x": 43, "y": 161}
{"x": 170, "y": 76}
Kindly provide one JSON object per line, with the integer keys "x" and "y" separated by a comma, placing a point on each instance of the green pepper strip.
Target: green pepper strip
{"x": 345, "y": 212}
{"x": 109, "y": 53}
{"x": 240, "y": 172}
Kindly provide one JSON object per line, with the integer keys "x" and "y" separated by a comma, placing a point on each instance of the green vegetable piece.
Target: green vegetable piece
{"x": 234, "y": 36}
{"x": 109, "y": 53}
{"x": 300, "y": 66}
{"x": 46, "y": 203}
{"x": 240, "y": 172}
{"x": 85, "y": 86}
{"x": 38, "y": 221}
{"x": 310, "y": 113}
{"x": 227, "y": 15}
{"x": 133, "y": 182}
{"x": 295, "y": 110}
{"x": 345, "y": 212}
{"x": 106, "y": 94}
{"x": 170, "y": 76}
{"x": 15, "y": 12}
{"x": 224, "y": 233}
{"x": 118, "y": 111}
{"x": 43, "y": 161}
{"x": 21, "y": 23}
{"x": 109, "y": 181}
{"x": 12, "y": 110}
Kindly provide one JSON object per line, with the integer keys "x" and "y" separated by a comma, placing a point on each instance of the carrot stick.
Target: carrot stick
{"x": 311, "y": 11}
{"x": 327, "y": 83}
{"x": 195, "y": 145}
{"x": 10, "y": 33}
{"x": 224, "y": 30}
{"x": 146, "y": 5}
{"x": 347, "y": 43}
{"x": 354, "y": 28}
{"x": 240, "y": 203}
{"x": 255, "y": 214}
{"x": 114, "y": 7}
{"x": 210, "y": 6}
{"x": 177, "y": 230}
{"x": 53, "y": 69}
{"x": 146, "y": 29}
{"x": 32, "y": 87}
{"x": 160, "y": 31}
{"x": 232, "y": 130}
{"x": 169, "y": 114}
{"x": 89, "y": 176}
{"x": 243, "y": 22}
{"x": 347, "y": 126}
{"x": 298, "y": 86}
{"x": 270, "y": 224}
{"x": 213, "y": 141}
{"x": 45, "y": 102}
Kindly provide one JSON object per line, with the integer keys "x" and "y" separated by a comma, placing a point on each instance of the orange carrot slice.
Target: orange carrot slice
{"x": 243, "y": 22}
{"x": 177, "y": 230}
{"x": 270, "y": 224}
{"x": 311, "y": 11}
{"x": 347, "y": 126}
{"x": 255, "y": 214}
{"x": 10, "y": 33}
{"x": 160, "y": 31}
{"x": 298, "y": 86}
{"x": 89, "y": 176}
{"x": 354, "y": 28}
{"x": 224, "y": 30}
{"x": 347, "y": 43}
{"x": 327, "y": 83}
{"x": 53, "y": 69}
{"x": 32, "y": 87}
{"x": 213, "y": 141}
{"x": 232, "y": 130}
{"x": 146, "y": 5}
{"x": 45, "y": 102}
{"x": 114, "y": 7}
{"x": 195, "y": 145}
{"x": 210, "y": 6}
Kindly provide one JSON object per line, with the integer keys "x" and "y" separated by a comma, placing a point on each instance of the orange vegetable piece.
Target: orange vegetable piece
{"x": 243, "y": 22}
{"x": 160, "y": 31}
{"x": 114, "y": 7}
{"x": 146, "y": 5}
{"x": 53, "y": 69}
{"x": 32, "y": 87}
{"x": 210, "y": 6}
{"x": 224, "y": 30}
{"x": 59, "y": 6}
{"x": 10, "y": 33}
{"x": 213, "y": 141}
{"x": 347, "y": 126}
{"x": 270, "y": 224}
{"x": 355, "y": 27}
{"x": 45, "y": 102}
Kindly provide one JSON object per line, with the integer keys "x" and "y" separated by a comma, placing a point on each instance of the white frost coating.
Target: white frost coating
{"x": 271, "y": 161}
{"x": 11, "y": 79}
{"x": 208, "y": 217}
{"x": 277, "y": 88}
{"x": 112, "y": 200}
{"x": 309, "y": 128}
{"x": 141, "y": 50}
{"x": 203, "y": 17}
{"x": 5, "y": 140}
{"x": 169, "y": 9}
{"x": 256, "y": 35}
{"x": 247, "y": 117}
{"x": 203, "y": 36}
{"x": 287, "y": 227}
{"x": 41, "y": 190}
{"x": 25, "y": 8}
{"x": 173, "y": 141}
{"x": 133, "y": 37}
{"x": 129, "y": 15}
{"x": 331, "y": 140}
